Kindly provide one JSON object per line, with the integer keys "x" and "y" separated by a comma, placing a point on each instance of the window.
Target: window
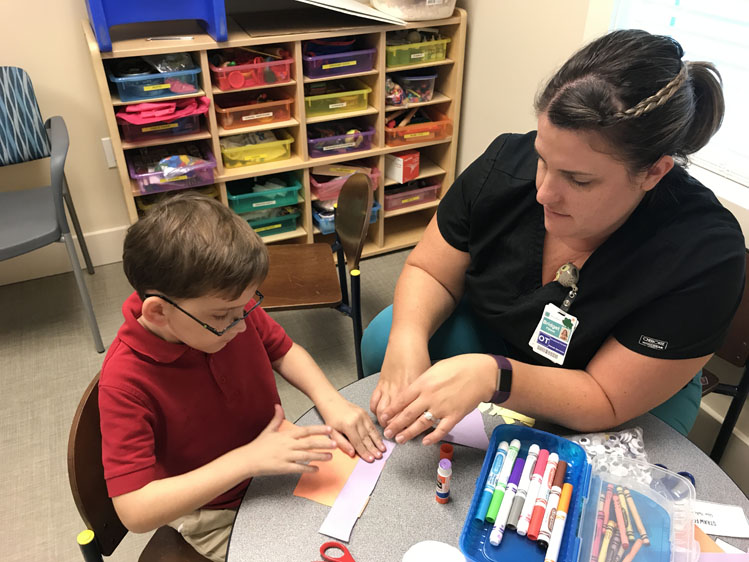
{"x": 716, "y": 31}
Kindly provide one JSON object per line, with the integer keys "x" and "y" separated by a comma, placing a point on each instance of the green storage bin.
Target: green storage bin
{"x": 354, "y": 98}
{"x": 243, "y": 200}
{"x": 416, "y": 53}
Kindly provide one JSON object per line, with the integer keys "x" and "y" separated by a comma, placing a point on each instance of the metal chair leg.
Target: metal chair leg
{"x": 356, "y": 318}
{"x": 76, "y": 225}
{"x": 732, "y": 416}
{"x": 68, "y": 239}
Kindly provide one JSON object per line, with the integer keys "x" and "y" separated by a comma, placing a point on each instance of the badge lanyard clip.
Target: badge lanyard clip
{"x": 567, "y": 276}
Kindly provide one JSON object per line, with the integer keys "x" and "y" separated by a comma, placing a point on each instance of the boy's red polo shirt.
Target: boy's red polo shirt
{"x": 167, "y": 408}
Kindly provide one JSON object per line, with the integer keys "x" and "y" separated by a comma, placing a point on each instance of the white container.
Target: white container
{"x": 416, "y": 10}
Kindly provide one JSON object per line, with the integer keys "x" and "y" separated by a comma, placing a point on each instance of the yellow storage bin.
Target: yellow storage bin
{"x": 337, "y": 96}
{"x": 255, "y": 148}
{"x": 416, "y": 53}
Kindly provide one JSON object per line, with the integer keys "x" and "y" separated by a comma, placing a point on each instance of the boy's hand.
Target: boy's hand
{"x": 283, "y": 452}
{"x": 353, "y": 430}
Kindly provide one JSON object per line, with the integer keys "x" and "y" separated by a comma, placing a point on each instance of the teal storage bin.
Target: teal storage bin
{"x": 242, "y": 199}
{"x": 275, "y": 225}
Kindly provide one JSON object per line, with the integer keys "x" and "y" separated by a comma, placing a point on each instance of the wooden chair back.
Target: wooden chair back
{"x": 352, "y": 216}
{"x": 735, "y": 348}
{"x": 86, "y": 473}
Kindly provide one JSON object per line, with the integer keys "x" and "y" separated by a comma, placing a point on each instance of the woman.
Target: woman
{"x": 650, "y": 265}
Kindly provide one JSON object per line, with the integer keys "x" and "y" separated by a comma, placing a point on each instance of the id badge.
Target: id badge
{"x": 553, "y": 334}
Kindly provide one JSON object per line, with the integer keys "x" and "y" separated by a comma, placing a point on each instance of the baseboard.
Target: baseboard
{"x": 104, "y": 246}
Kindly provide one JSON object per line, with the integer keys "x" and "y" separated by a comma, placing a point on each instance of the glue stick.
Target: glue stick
{"x": 444, "y": 473}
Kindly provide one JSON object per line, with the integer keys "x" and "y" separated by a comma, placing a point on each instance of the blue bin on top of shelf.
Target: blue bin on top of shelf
{"x": 105, "y": 14}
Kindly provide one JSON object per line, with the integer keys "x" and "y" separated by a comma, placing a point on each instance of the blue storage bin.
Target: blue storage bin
{"x": 327, "y": 224}
{"x": 156, "y": 85}
{"x": 104, "y": 14}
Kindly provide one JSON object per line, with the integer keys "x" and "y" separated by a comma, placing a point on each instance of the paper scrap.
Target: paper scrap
{"x": 469, "y": 432}
{"x": 706, "y": 543}
{"x": 354, "y": 496}
{"x": 729, "y": 548}
{"x": 721, "y": 519}
{"x": 324, "y": 485}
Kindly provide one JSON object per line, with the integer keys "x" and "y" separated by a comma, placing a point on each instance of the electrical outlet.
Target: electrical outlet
{"x": 106, "y": 143}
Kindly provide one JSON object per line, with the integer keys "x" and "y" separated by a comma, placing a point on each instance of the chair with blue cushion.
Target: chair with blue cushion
{"x": 33, "y": 218}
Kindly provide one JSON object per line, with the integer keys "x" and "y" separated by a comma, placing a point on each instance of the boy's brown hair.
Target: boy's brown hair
{"x": 191, "y": 246}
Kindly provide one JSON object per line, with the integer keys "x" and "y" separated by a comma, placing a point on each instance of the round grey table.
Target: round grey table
{"x": 274, "y": 525}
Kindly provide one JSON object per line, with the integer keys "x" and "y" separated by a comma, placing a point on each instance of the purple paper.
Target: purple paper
{"x": 723, "y": 557}
{"x": 469, "y": 432}
{"x": 354, "y": 496}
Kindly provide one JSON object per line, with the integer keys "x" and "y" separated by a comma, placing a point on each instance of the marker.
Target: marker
{"x": 608, "y": 532}
{"x": 636, "y": 516}
{"x": 599, "y": 528}
{"x": 504, "y": 476}
{"x": 444, "y": 473}
{"x": 626, "y": 515}
{"x": 533, "y": 487}
{"x": 491, "y": 481}
{"x": 633, "y": 552}
{"x": 539, "y": 508}
{"x": 559, "y": 521}
{"x": 547, "y": 523}
{"x": 620, "y": 521}
{"x": 525, "y": 480}
{"x": 495, "y": 537}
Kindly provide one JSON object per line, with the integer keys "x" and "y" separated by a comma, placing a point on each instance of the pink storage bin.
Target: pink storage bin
{"x": 404, "y": 197}
{"x": 142, "y": 161}
{"x": 326, "y": 188}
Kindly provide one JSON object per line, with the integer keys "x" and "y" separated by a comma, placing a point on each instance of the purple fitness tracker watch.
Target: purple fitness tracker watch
{"x": 504, "y": 379}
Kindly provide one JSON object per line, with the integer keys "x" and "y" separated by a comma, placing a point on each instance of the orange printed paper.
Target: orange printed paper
{"x": 324, "y": 485}
{"x": 706, "y": 543}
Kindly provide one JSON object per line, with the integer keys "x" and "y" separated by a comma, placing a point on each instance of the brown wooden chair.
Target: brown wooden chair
{"x": 86, "y": 474}
{"x": 735, "y": 350}
{"x": 306, "y": 276}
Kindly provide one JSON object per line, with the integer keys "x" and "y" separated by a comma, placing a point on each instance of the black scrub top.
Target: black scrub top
{"x": 665, "y": 284}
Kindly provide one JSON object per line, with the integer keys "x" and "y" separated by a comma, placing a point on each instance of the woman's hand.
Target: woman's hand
{"x": 449, "y": 390}
{"x": 353, "y": 430}
{"x": 284, "y": 452}
{"x": 404, "y": 362}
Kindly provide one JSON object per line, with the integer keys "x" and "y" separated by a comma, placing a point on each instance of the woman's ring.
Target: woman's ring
{"x": 431, "y": 418}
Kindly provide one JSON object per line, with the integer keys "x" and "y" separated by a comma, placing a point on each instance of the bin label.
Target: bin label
{"x": 264, "y": 203}
{"x": 414, "y": 135}
{"x": 160, "y": 127}
{"x": 410, "y": 199}
{"x": 420, "y": 55}
{"x": 176, "y": 178}
{"x": 337, "y": 146}
{"x": 338, "y": 64}
{"x": 153, "y": 87}
{"x": 269, "y": 227}
{"x": 257, "y": 116}
{"x": 337, "y": 105}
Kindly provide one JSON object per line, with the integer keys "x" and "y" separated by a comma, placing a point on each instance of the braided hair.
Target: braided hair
{"x": 633, "y": 89}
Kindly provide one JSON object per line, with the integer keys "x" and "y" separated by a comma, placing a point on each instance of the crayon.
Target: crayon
{"x": 636, "y": 516}
{"x": 525, "y": 480}
{"x": 633, "y": 551}
{"x": 547, "y": 523}
{"x": 491, "y": 481}
{"x": 495, "y": 537}
{"x": 608, "y": 532}
{"x": 560, "y": 519}
{"x": 616, "y": 542}
{"x": 619, "y": 554}
{"x": 533, "y": 487}
{"x": 620, "y": 521}
{"x": 539, "y": 508}
{"x": 626, "y": 516}
{"x": 504, "y": 476}
{"x": 599, "y": 528}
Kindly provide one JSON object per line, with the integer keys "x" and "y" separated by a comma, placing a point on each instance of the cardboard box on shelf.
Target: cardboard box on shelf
{"x": 402, "y": 166}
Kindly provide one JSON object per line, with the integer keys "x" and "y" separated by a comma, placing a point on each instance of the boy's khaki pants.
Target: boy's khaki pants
{"x": 207, "y": 531}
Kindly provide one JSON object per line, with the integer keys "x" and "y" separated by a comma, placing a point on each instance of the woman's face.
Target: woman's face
{"x": 586, "y": 193}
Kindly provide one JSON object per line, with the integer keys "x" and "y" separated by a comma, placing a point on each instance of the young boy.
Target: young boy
{"x": 188, "y": 401}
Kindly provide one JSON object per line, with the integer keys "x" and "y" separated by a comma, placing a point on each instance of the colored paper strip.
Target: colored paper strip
{"x": 324, "y": 485}
{"x": 469, "y": 432}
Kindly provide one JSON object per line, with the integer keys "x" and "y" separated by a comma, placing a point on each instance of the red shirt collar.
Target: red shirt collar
{"x": 141, "y": 340}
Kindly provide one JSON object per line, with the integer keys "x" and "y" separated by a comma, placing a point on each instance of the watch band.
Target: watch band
{"x": 504, "y": 379}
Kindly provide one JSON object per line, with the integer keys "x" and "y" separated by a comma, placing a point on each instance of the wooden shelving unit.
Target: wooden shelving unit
{"x": 394, "y": 229}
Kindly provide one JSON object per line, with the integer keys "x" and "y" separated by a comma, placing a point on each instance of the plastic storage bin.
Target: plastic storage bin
{"x": 243, "y": 198}
{"x": 416, "y": 10}
{"x": 235, "y": 111}
{"x": 141, "y": 164}
{"x": 666, "y": 515}
{"x": 278, "y": 148}
{"x": 340, "y": 144}
{"x": 327, "y": 224}
{"x": 340, "y": 96}
{"x": 140, "y": 86}
{"x": 273, "y": 225}
{"x": 249, "y": 75}
{"x": 324, "y": 66}
{"x": 406, "y": 196}
{"x": 416, "y": 53}
{"x": 147, "y": 202}
{"x": 440, "y": 127}
{"x": 325, "y": 187}
{"x": 162, "y": 129}
{"x": 417, "y": 87}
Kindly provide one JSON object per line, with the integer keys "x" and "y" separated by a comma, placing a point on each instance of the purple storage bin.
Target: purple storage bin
{"x": 140, "y": 164}
{"x": 341, "y": 144}
{"x": 324, "y": 66}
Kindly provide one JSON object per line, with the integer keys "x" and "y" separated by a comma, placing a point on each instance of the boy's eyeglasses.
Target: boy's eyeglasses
{"x": 211, "y": 329}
